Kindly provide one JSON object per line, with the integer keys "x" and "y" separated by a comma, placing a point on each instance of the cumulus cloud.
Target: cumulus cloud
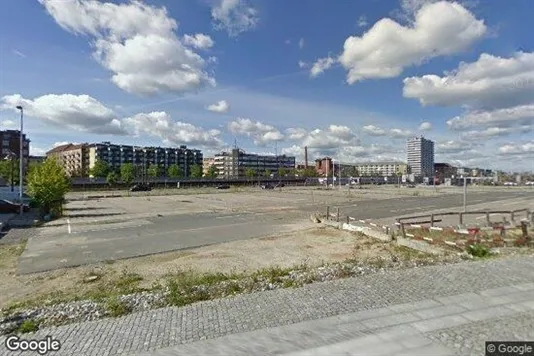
{"x": 301, "y": 43}
{"x": 519, "y": 115}
{"x": 517, "y": 148}
{"x": 295, "y": 133}
{"x": 261, "y": 133}
{"x": 491, "y": 132}
{"x": 9, "y": 124}
{"x": 362, "y": 21}
{"x": 123, "y": 34}
{"x": 221, "y": 106}
{"x": 425, "y": 126}
{"x": 387, "y": 48}
{"x": 332, "y": 137}
{"x": 200, "y": 41}
{"x": 454, "y": 146}
{"x": 321, "y": 65}
{"x": 234, "y": 16}
{"x": 488, "y": 83}
{"x": 159, "y": 124}
{"x": 77, "y": 112}
{"x": 303, "y": 64}
{"x": 373, "y": 130}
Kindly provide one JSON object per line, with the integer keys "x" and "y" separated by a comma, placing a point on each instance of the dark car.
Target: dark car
{"x": 267, "y": 186}
{"x": 141, "y": 187}
{"x": 280, "y": 185}
{"x": 222, "y": 186}
{"x": 9, "y": 207}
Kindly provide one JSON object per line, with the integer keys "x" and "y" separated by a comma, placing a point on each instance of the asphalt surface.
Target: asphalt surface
{"x": 91, "y": 243}
{"x": 379, "y": 209}
{"x": 87, "y": 244}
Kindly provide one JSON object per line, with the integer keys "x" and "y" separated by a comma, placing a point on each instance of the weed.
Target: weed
{"x": 274, "y": 274}
{"x": 28, "y": 326}
{"x": 234, "y": 287}
{"x": 118, "y": 307}
{"x": 478, "y": 250}
{"x": 128, "y": 281}
{"x": 290, "y": 283}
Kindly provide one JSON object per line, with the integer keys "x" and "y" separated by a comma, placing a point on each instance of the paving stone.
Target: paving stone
{"x": 440, "y": 311}
{"x": 488, "y": 313}
{"x": 390, "y": 320}
{"x": 443, "y": 322}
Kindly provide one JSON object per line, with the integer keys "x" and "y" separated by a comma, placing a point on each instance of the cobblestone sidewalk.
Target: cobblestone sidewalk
{"x": 171, "y": 327}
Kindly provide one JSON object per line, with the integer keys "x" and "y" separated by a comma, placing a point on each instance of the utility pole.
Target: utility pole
{"x": 465, "y": 194}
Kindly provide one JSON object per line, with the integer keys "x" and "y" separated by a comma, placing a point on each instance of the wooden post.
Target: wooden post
{"x": 348, "y": 219}
{"x": 524, "y": 229}
{"x": 327, "y": 213}
{"x": 488, "y": 221}
{"x": 337, "y": 214}
{"x": 402, "y": 230}
{"x": 431, "y": 220}
{"x": 512, "y": 216}
{"x": 461, "y": 218}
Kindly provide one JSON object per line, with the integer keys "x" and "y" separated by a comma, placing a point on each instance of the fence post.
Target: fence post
{"x": 524, "y": 229}
{"x": 348, "y": 219}
{"x": 338, "y": 214}
{"x": 488, "y": 218}
{"x": 327, "y": 213}
{"x": 402, "y": 230}
{"x": 431, "y": 220}
{"x": 461, "y": 218}
{"x": 512, "y": 216}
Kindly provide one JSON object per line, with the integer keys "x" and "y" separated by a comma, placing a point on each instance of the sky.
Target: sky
{"x": 348, "y": 79}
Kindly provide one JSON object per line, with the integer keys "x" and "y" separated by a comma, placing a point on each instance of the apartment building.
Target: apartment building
{"x": 384, "y": 169}
{"x": 143, "y": 157}
{"x": 11, "y": 146}
{"x": 420, "y": 154}
{"x": 236, "y": 163}
{"x": 206, "y": 164}
{"x": 73, "y": 157}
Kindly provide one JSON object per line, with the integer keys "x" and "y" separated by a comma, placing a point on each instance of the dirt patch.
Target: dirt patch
{"x": 312, "y": 247}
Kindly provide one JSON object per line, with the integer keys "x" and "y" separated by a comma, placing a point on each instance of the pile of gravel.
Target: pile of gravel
{"x": 87, "y": 310}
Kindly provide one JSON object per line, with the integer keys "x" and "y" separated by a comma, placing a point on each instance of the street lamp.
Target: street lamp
{"x": 21, "y": 157}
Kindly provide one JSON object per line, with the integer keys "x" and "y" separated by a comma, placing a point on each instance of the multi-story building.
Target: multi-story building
{"x": 236, "y": 163}
{"x": 324, "y": 166}
{"x": 73, "y": 157}
{"x": 78, "y": 159}
{"x": 206, "y": 164}
{"x": 11, "y": 146}
{"x": 420, "y": 154}
{"x": 444, "y": 171}
{"x": 384, "y": 169}
{"x": 144, "y": 157}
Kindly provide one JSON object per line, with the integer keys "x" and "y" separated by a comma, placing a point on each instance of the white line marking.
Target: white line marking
{"x": 68, "y": 226}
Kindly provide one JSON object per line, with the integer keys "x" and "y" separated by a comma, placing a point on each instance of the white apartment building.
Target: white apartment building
{"x": 234, "y": 164}
{"x": 384, "y": 169}
{"x": 420, "y": 156}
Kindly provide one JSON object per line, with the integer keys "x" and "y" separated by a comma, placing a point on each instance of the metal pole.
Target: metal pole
{"x": 339, "y": 176}
{"x": 12, "y": 173}
{"x": 465, "y": 194}
{"x": 21, "y": 157}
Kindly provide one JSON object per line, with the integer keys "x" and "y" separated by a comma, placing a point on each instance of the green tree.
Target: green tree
{"x": 154, "y": 171}
{"x": 309, "y": 172}
{"x": 112, "y": 178}
{"x": 212, "y": 172}
{"x": 128, "y": 173}
{"x": 196, "y": 171}
{"x": 174, "y": 171}
{"x": 353, "y": 172}
{"x": 251, "y": 173}
{"x": 268, "y": 173}
{"x": 100, "y": 169}
{"x": 47, "y": 186}
{"x": 283, "y": 172}
{"x": 9, "y": 170}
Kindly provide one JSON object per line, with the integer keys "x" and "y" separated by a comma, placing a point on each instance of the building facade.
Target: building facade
{"x": 236, "y": 163}
{"x": 78, "y": 159}
{"x": 11, "y": 146}
{"x": 206, "y": 165}
{"x": 384, "y": 169}
{"x": 73, "y": 157}
{"x": 420, "y": 157}
{"x": 324, "y": 166}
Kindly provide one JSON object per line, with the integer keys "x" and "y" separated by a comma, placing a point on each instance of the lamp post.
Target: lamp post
{"x": 21, "y": 157}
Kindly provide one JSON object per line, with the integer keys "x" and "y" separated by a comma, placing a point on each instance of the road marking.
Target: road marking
{"x": 478, "y": 201}
{"x": 68, "y": 226}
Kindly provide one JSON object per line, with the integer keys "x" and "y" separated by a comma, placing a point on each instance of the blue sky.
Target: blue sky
{"x": 351, "y": 79}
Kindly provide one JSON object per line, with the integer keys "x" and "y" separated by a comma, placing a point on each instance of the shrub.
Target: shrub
{"x": 478, "y": 250}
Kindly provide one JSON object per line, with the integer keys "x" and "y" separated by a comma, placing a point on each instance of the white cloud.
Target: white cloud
{"x": 123, "y": 34}
{"x": 37, "y": 151}
{"x": 160, "y": 124}
{"x": 221, "y": 106}
{"x": 9, "y": 124}
{"x": 234, "y": 16}
{"x": 200, "y": 41}
{"x": 425, "y": 126}
{"x": 301, "y": 43}
{"x": 373, "y": 130}
{"x": 488, "y": 83}
{"x": 491, "y": 132}
{"x": 19, "y": 53}
{"x": 333, "y": 137}
{"x": 517, "y": 148}
{"x": 295, "y": 133}
{"x": 362, "y": 21}
{"x": 519, "y": 115}
{"x": 76, "y": 112}
{"x": 454, "y": 146}
{"x": 261, "y": 133}
{"x": 386, "y": 49}
{"x": 62, "y": 143}
{"x": 303, "y": 64}
{"x": 321, "y": 65}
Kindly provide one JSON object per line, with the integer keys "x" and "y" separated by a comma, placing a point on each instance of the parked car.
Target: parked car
{"x": 9, "y": 207}
{"x": 280, "y": 185}
{"x": 223, "y": 186}
{"x": 267, "y": 186}
{"x": 141, "y": 187}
